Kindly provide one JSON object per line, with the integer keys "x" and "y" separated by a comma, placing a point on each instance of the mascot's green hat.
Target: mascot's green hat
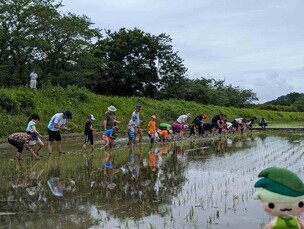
{"x": 281, "y": 181}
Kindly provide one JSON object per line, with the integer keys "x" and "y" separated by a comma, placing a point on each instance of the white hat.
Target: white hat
{"x": 112, "y": 108}
{"x": 91, "y": 117}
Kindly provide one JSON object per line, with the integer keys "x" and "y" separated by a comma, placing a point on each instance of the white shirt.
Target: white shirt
{"x": 58, "y": 119}
{"x": 33, "y": 76}
{"x": 182, "y": 119}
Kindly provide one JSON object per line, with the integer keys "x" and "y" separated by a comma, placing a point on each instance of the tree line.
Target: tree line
{"x": 65, "y": 50}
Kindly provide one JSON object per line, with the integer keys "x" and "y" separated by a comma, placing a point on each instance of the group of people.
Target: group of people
{"x": 32, "y": 137}
{"x": 162, "y": 132}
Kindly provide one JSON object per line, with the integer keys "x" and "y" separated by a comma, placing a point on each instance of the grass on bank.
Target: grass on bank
{"x": 18, "y": 103}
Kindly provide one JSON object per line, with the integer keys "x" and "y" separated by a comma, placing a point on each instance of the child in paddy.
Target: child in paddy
{"x": 131, "y": 132}
{"x": 88, "y": 134}
{"x": 152, "y": 128}
{"x": 31, "y": 127}
{"x": 108, "y": 136}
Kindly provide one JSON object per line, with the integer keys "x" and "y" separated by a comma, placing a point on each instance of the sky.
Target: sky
{"x": 251, "y": 44}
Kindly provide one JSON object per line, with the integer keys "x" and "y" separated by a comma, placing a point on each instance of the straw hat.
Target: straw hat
{"x": 112, "y": 108}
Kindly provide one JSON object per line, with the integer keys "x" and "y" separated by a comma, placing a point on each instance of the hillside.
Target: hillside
{"x": 288, "y": 99}
{"x": 17, "y": 104}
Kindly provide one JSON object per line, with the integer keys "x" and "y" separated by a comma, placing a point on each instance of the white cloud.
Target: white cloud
{"x": 245, "y": 42}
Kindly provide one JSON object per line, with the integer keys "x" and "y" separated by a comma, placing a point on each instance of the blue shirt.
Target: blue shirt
{"x": 109, "y": 132}
{"x": 135, "y": 118}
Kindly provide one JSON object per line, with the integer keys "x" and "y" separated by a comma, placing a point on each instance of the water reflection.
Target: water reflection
{"x": 180, "y": 183}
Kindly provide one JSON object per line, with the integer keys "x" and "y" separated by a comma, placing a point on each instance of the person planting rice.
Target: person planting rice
{"x": 108, "y": 136}
{"x": 21, "y": 141}
{"x": 88, "y": 134}
{"x": 31, "y": 127}
{"x": 56, "y": 124}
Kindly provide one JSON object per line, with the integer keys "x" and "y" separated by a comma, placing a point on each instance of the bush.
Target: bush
{"x": 7, "y": 102}
{"x": 25, "y": 101}
{"x": 79, "y": 94}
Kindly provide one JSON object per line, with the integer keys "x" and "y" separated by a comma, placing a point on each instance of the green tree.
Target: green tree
{"x": 299, "y": 104}
{"x": 135, "y": 63}
{"x": 171, "y": 70}
{"x": 34, "y": 34}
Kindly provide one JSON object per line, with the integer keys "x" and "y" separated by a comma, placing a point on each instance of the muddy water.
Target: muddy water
{"x": 192, "y": 184}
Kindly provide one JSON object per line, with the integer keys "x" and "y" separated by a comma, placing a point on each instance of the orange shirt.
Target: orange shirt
{"x": 152, "y": 126}
{"x": 164, "y": 134}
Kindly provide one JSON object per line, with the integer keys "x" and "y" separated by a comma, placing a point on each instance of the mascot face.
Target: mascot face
{"x": 283, "y": 209}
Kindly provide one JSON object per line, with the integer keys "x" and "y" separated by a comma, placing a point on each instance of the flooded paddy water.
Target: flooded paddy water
{"x": 189, "y": 184}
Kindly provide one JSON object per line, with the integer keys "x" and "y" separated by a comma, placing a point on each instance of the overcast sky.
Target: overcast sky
{"x": 253, "y": 44}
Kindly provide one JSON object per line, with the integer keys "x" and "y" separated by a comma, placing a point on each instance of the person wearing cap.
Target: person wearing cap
{"x": 109, "y": 120}
{"x": 281, "y": 193}
{"x": 31, "y": 127}
{"x": 152, "y": 128}
{"x": 137, "y": 121}
{"x": 88, "y": 134}
{"x": 181, "y": 124}
{"x": 56, "y": 124}
{"x": 22, "y": 140}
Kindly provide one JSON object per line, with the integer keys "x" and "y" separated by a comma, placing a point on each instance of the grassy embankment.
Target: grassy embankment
{"x": 17, "y": 104}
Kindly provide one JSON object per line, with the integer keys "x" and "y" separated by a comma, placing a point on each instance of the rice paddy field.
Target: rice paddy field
{"x": 195, "y": 183}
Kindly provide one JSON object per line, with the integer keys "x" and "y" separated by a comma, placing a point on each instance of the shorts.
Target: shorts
{"x": 131, "y": 135}
{"x": 34, "y": 142}
{"x": 105, "y": 139}
{"x": 88, "y": 138}
{"x": 17, "y": 144}
{"x": 54, "y": 135}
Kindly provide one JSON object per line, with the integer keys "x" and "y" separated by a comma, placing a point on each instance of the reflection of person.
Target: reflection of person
{"x": 33, "y": 81}
{"x": 22, "y": 140}
{"x": 56, "y": 124}
{"x": 152, "y": 160}
{"x": 31, "y": 126}
{"x": 134, "y": 163}
{"x": 222, "y": 145}
{"x": 88, "y": 134}
{"x": 109, "y": 118}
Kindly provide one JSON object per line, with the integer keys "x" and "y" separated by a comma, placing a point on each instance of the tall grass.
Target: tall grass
{"x": 17, "y": 104}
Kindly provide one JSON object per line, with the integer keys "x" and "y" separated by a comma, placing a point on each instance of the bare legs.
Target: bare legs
{"x": 50, "y": 147}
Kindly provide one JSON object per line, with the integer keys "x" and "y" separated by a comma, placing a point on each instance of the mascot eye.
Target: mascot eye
{"x": 301, "y": 204}
{"x": 271, "y": 205}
